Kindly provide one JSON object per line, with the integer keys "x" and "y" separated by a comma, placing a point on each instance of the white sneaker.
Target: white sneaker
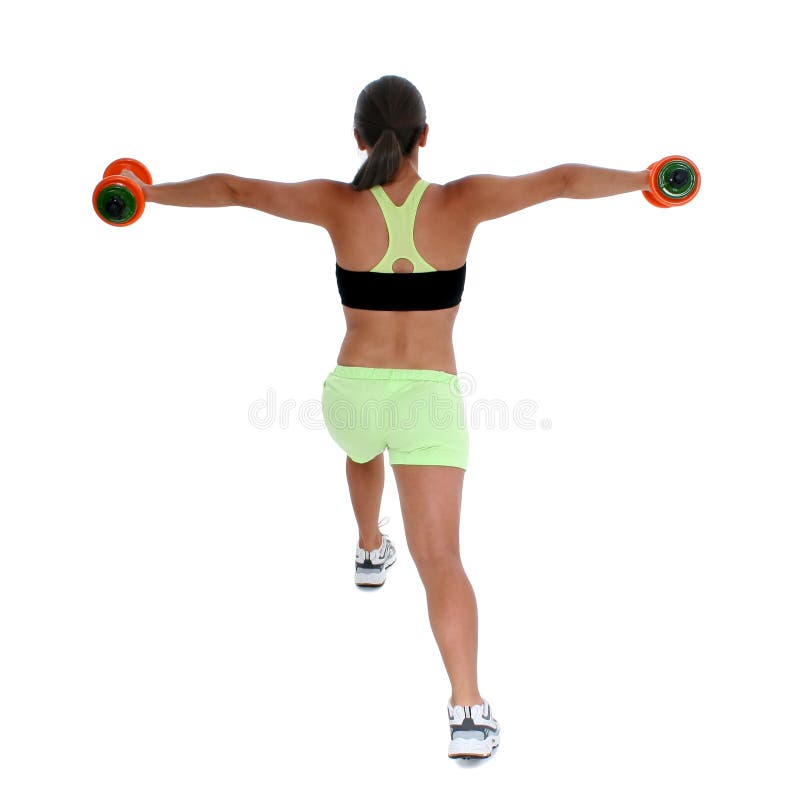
{"x": 371, "y": 565}
{"x": 474, "y": 732}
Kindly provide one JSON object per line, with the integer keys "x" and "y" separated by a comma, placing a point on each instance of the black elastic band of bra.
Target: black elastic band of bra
{"x": 401, "y": 291}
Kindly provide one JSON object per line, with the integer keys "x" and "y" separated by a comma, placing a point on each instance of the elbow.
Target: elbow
{"x": 229, "y": 188}
{"x": 566, "y": 172}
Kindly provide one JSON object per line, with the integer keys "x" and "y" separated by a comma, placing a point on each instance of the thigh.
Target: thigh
{"x": 430, "y": 501}
{"x": 432, "y": 428}
{"x": 353, "y": 411}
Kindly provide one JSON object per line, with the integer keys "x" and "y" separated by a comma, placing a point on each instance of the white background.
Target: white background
{"x": 178, "y": 617}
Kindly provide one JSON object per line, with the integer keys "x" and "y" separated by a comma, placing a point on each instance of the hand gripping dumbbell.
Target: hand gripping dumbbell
{"x": 674, "y": 180}
{"x": 117, "y": 199}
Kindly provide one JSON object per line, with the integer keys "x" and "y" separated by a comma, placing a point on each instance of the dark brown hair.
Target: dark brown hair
{"x": 390, "y": 117}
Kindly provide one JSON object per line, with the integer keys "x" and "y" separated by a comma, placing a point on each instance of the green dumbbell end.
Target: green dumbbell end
{"x": 676, "y": 179}
{"x": 116, "y": 204}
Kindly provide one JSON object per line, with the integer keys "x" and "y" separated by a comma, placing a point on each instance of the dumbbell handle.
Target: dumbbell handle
{"x": 136, "y": 167}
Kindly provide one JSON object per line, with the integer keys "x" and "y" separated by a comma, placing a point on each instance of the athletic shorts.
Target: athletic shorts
{"x": 418, "y": 414}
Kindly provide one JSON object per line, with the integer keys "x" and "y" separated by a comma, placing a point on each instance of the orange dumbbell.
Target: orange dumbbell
{"x": 674, "y": 180}
{"x": 117, "y": 199}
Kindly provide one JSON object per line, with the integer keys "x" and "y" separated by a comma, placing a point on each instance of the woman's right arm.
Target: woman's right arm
{"x": 484, "y": 197}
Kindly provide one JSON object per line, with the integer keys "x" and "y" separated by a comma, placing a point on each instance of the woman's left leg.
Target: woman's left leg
{"x": 366, "y": 490}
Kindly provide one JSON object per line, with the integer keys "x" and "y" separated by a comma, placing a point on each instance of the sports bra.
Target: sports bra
{"x": 382, "y": 289}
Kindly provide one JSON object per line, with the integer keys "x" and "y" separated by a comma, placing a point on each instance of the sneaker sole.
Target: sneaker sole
{"x": 471, "y": 748}
{"x": 373, "y": 579}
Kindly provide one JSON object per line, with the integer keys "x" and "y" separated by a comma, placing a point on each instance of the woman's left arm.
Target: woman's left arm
{"x": 313, "y": 201}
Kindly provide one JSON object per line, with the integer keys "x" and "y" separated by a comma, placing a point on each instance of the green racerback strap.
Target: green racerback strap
{"x": 400, "y": 224}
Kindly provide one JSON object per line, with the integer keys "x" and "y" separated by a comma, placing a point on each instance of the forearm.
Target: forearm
{"x": 585, "y": 182}
{"x": 207, "y": 191}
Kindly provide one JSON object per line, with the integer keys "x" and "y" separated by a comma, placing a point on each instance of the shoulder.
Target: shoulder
{"x": 483, "y": 197}
{"x": 318, "y": 201}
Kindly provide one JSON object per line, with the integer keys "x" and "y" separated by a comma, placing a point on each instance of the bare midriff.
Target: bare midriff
{"x": 400, "y": 339}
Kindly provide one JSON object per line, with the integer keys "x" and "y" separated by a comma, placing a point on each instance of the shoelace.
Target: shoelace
{"x": 383, "y": 521}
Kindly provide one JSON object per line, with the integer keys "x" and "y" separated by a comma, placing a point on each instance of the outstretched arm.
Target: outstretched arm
{"x": 484, "y": 197}
{"x": 585, "y": 182}
{"x": 209, "y": 191}
{"x": 313, "y": 201}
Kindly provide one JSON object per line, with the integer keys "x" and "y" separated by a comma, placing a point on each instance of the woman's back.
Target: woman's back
{"x": 403, "y": 339}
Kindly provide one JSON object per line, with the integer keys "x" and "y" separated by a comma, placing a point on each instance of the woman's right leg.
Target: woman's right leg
{"x": 366, "y": 490}
{"x": 430, "y": 501}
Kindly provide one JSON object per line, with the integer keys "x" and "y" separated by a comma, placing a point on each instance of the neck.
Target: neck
{"x": 408, "y": 171}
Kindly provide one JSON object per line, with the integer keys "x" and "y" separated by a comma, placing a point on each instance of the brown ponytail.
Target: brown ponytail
{"x": 390, "y": 118}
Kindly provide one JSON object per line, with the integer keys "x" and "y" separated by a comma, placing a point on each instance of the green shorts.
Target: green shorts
{"x": 417, "y": 413}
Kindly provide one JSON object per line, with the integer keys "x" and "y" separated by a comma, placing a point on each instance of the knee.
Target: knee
{"x": 436, "y": 562}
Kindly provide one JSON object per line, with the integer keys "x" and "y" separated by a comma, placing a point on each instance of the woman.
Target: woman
{"x": 401, "y": 251}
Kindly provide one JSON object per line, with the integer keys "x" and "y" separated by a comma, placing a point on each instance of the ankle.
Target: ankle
{"x": 372, "y": 542}
{"x": 466, "y": 699}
